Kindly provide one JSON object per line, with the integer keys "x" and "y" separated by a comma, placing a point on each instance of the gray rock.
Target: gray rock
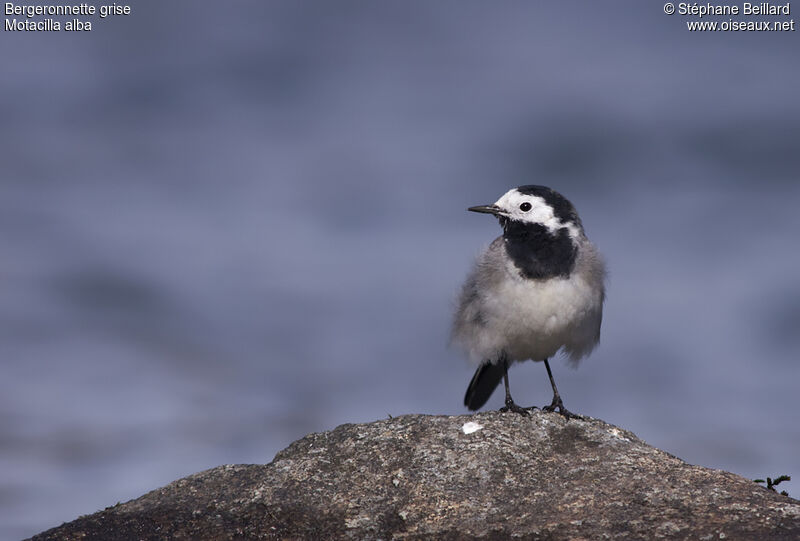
{"x": 423, "y": 477}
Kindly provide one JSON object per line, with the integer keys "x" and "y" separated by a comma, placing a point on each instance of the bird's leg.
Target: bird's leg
{"x": 557, "y": 402}
{"x": 510, "y": 405}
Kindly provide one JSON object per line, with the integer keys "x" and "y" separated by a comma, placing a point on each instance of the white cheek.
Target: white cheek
{"x": 538, "y": 215}
{"x": 542, "y": 215}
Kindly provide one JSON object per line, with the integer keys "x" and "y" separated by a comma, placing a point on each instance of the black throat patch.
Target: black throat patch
{"x": 537, "y": 252}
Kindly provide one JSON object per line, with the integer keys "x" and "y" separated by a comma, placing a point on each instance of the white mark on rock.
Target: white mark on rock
{"x": 471, "y": 427}
{"x": 791, "y": 510}
{"x": 617, "y": 433}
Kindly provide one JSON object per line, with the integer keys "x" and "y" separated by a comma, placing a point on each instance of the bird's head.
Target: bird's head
{"x": 535, "y": 205}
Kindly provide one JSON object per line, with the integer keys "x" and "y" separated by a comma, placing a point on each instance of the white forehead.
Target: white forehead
{"x": 540, "y": 212}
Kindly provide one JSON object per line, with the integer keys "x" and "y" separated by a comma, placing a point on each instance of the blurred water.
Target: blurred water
{"x": 225, "y": 227}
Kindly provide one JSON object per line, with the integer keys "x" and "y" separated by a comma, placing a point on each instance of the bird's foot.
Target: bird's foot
{"x": 511, "y": 406}
{"x": 557, "y": 404}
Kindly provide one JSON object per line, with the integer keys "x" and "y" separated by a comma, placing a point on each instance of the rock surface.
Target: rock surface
{"x": 424, "y": 477}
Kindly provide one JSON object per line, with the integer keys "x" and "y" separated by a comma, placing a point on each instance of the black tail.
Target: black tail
{"x": 486, "y": 379}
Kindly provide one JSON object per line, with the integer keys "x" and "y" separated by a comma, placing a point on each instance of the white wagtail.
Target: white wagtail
{"x": 537, "y": 289}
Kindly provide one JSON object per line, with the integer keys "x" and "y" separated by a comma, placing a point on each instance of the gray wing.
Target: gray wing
{"x": 592, "y": 268}
{"x": 469, "y": 314}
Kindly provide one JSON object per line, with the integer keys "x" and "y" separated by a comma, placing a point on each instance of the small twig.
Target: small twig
{"x": 772, "y": 483}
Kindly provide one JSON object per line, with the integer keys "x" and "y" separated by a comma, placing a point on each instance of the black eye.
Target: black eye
{"x": 525, "y": 207}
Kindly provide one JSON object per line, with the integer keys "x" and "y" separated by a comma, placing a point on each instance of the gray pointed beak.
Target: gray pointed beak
{"x": 486, "y": 209}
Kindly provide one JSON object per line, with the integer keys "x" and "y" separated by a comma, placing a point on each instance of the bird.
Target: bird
{"x": 537, "y": 290}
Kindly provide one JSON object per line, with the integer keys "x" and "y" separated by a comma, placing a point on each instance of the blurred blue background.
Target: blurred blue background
{"x": 225, "y": 225}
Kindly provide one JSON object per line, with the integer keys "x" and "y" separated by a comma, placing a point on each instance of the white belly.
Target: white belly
{"x": 532, "y": 319}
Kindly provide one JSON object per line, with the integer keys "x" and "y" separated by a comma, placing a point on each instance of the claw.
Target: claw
{"x": 511, "y": 406}
{"x": 559, "y": 405}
